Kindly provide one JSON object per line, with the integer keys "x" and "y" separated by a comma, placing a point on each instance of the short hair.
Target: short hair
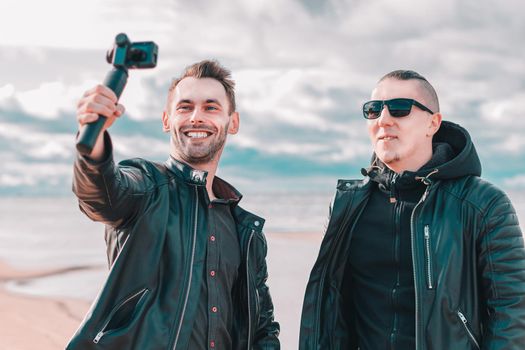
{"x": 207, "y": 69}
{"x": 411, "y": 75}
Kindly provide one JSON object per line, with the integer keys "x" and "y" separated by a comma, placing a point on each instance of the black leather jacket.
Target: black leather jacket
{"x": 468, "y": 258}
{"x": 155, "y": 215}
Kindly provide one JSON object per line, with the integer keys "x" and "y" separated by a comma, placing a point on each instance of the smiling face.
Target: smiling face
{"x": 198, "y": 120}
{"x": 403, "y": 143}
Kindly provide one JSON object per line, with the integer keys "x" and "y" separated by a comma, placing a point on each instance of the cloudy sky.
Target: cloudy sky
{"x": 303, "y": 68}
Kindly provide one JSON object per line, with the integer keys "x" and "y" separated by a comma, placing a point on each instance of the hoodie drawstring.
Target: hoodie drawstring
{"x": 426, "y": 179}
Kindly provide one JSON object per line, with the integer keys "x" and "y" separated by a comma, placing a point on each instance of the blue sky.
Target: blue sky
{"x": 303, "y": 69}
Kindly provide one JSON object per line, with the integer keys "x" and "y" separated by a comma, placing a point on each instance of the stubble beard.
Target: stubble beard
{"x": 388, "y": 157}
{"x": 391, "y": 159}
{"x": 198, "y": 154}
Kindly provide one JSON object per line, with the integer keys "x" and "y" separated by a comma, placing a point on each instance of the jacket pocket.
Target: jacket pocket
{"x": 428, "y": 258}
{"x": 466, "y": 326}
{"x": 121, "y": 315}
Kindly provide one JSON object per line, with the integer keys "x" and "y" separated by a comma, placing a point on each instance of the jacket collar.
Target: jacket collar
{"x": 221, "y": 187}
{"x": 185, "y": 172}
{"x": 226, "y": 192}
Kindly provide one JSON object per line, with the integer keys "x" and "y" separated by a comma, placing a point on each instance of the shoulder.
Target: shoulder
{"x": 347, "y": 189}
{"x": 353, "y": 184}
{"x": 473, "y": 189}
{"x": 476, "y": 192}
{"x": 247, "y": 219}
{"x": 156, "y": 173}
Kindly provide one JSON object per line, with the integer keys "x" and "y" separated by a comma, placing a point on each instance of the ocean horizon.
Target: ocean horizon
{"x": 52, "y": 233}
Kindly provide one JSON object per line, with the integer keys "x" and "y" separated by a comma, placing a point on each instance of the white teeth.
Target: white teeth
{"x": 197, "y": 135}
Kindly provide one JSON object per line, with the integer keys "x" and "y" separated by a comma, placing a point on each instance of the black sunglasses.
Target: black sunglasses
{"x": 398, "y": 107}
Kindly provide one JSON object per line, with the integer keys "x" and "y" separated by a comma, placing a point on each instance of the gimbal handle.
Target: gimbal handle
{"x": 116, "y": 80}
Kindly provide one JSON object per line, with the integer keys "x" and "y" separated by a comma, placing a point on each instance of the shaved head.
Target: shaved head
{"x": 427, "y": 90}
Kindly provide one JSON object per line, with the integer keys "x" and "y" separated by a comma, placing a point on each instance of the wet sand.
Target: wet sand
{"x": 47, "y": 323}
{"x": 29, "y": 322}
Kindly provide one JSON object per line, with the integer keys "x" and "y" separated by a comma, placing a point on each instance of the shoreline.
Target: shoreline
{"x": 50, "y": 321}
{"x": 28, "y": 320}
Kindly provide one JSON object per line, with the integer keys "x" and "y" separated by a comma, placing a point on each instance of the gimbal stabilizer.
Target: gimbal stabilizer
{"x": 124, "y": 55}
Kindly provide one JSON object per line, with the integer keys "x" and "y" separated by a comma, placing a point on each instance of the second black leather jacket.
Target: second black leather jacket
{"x": 157, "y": 221}
{"x": 468, "y": 260}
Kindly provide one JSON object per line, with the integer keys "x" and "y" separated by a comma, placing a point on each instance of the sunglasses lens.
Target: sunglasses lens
{"x": 372, "y": 109}
{"x": 399, "y": 107}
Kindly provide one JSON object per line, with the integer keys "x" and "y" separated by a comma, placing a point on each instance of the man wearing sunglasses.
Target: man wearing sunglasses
{"x": 421, "y": 253}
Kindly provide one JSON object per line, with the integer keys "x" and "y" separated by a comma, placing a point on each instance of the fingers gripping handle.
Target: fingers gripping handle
{"x": 116, "y": 80}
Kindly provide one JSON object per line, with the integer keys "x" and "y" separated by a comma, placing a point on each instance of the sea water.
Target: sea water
{"x": 52, "y": 233}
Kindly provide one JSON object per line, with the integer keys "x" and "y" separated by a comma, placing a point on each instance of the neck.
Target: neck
{"x": 209, "y": 167}
{"x": 209, "y": 181}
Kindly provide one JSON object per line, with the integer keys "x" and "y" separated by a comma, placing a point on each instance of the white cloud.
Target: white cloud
{"x": 302, "y": 67}
{"x": 50, "y": 100}
{"x": 517, "y": 181}
{"x": 89, "y": 24}
{"x": 50, "y": 23}
{"x": 505, "y": 112}
{"x": 32, "y": 174}
{"x": 513, "y": 144}
{"x": 135, "y": 146}
{"x": 280, "y": 96}
{"x": 140, "y": 100}
{"x": 37, "y": 145}
{"x": 6, "y": 92}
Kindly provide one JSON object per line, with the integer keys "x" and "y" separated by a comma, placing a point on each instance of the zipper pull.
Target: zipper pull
{"x": 462, "y": 317}
{"x": 392, "y": 188}
{"x": 97, "y": 338}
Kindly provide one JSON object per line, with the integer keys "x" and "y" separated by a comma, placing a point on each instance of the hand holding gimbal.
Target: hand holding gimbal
{"x": 124, "y": 55}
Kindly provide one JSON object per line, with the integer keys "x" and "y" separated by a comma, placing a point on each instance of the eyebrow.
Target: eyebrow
{"x": 210, "y": 100}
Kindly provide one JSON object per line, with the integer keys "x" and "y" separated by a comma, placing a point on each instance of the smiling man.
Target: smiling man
{"x": 422, "y": 253}
{"x": 188, "y": 265}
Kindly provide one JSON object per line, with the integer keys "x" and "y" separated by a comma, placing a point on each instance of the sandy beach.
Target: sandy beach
{"x": 28, "y": 322}
{"x": 48, "y": 322}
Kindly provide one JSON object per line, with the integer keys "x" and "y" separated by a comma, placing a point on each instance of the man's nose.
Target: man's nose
{"x": 196, "y": 117}
{"x": 385, "y": 118}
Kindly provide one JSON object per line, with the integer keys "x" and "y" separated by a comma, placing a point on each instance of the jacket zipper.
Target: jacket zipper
{"x": 428, "y": 257}
{"x": 248, "y": 290}
{"x": 465, "y": 324}
{"x": 393, "y": 198}
{"x": 103, "y": 331}
{"x": 412, "y": 238}
{"x": 191, "y": 267}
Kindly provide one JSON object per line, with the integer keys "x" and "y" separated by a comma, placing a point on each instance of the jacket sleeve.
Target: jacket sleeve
{"x": 502, "y": 268}
{"x": 267, "y": 331}
{"x": 107, "y": 192}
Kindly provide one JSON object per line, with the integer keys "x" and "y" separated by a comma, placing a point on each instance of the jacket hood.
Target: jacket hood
{"x": 464, "y": 161}
{"x": 454, "y": 156}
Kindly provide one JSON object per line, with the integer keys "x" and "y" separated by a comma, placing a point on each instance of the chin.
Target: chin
{"x": 388, "y": 159}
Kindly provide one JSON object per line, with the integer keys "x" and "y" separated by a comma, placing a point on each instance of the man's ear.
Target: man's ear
{"x": 165, "y": 121}
{"x": 435, "y": 123}
{"x": 233, "y": 127}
